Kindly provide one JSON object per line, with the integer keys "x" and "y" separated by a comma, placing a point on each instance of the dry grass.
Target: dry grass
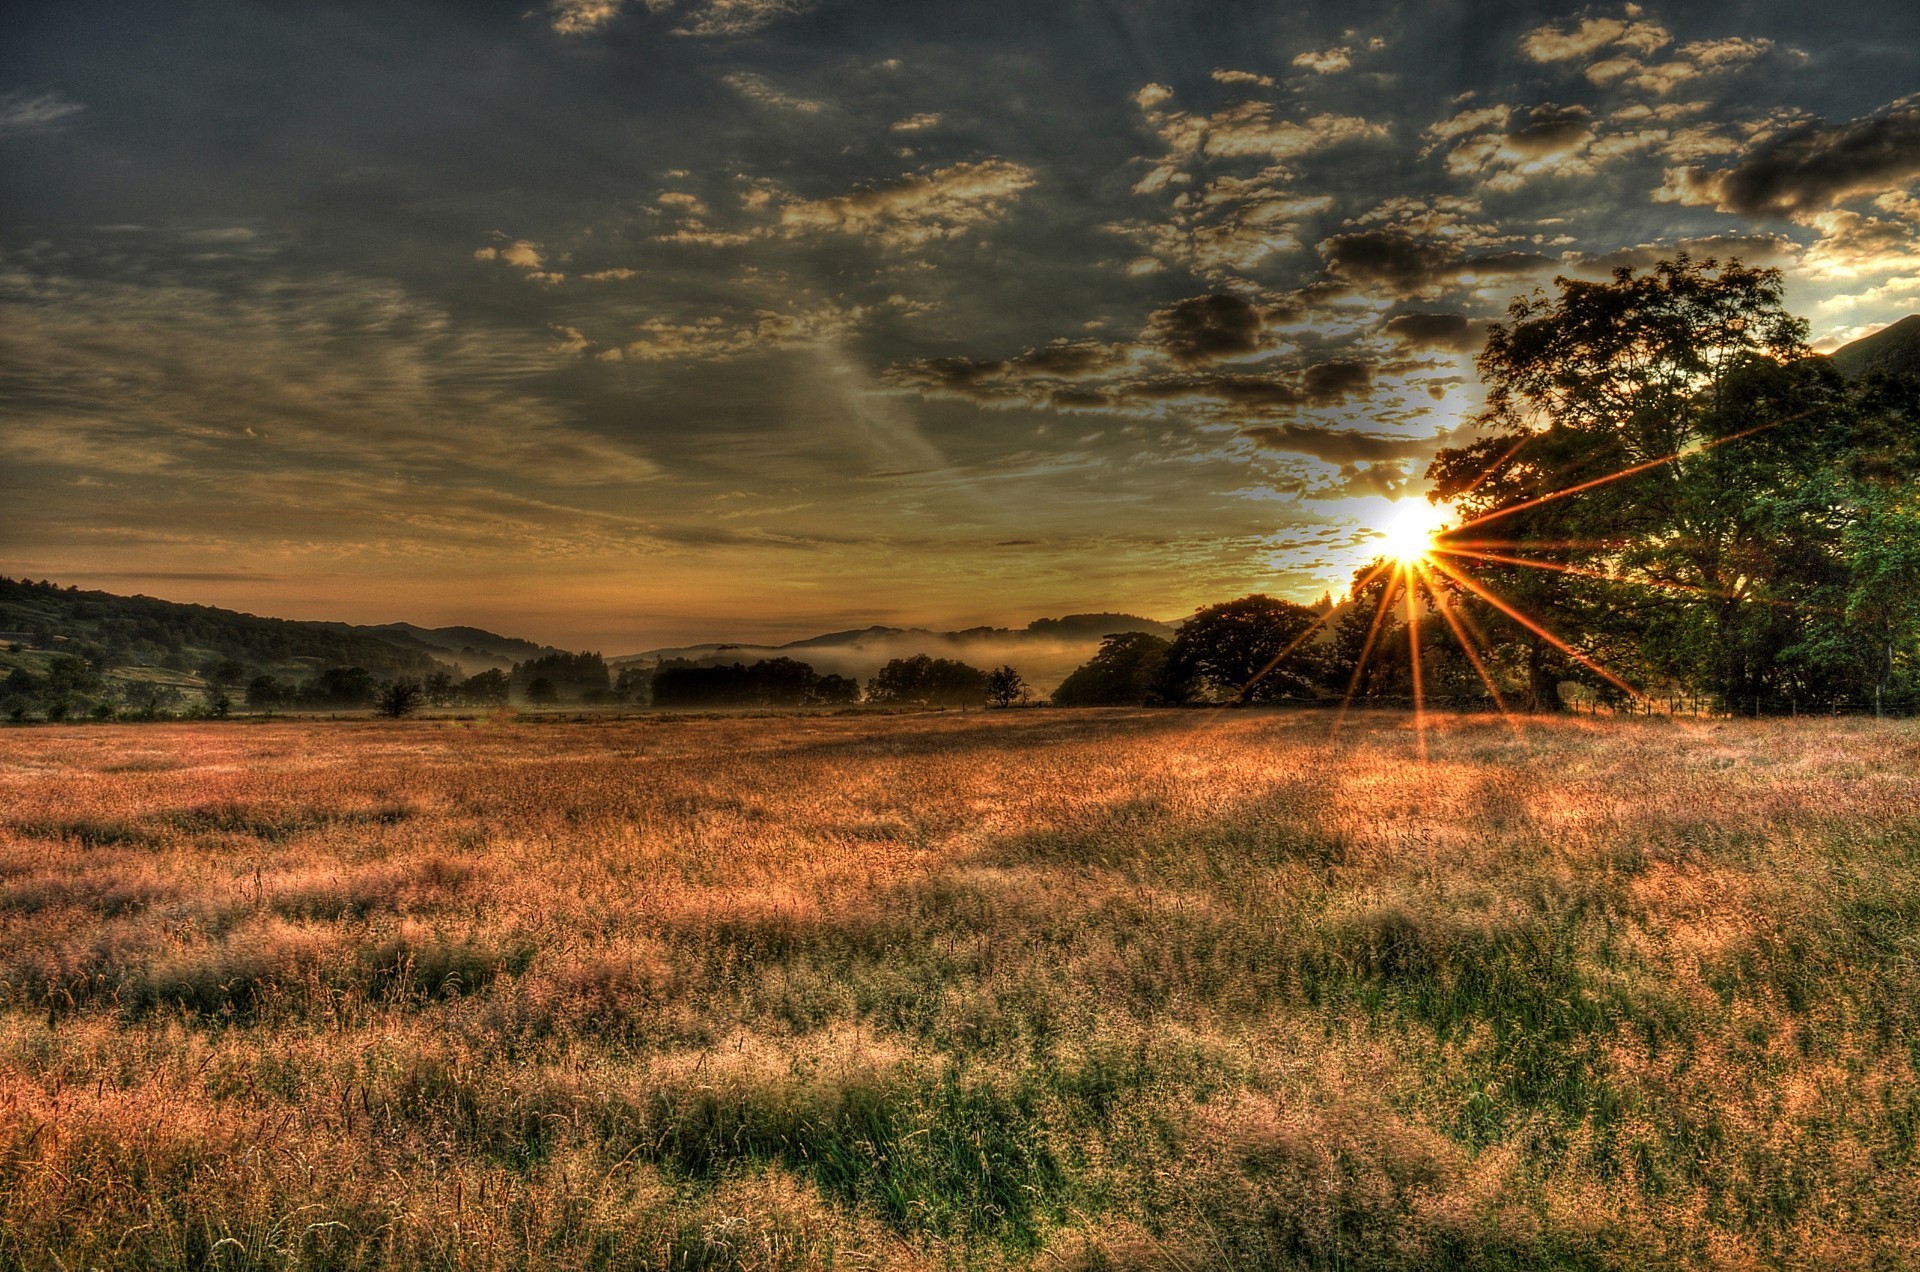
{"x": 1080, "y": 989}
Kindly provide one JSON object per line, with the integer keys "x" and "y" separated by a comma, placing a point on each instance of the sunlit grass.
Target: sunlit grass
{"x": 1171, "y": 989}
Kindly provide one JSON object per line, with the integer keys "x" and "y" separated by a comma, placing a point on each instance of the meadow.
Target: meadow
{"x": 1116, "y": 989}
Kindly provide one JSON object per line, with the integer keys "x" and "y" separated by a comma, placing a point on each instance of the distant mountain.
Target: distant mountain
{"x": 1044, "y": 651}
{"x": 473, "y": 648}
{"x": 1894, "y": 350}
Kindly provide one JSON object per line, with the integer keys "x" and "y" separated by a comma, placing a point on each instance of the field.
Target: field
{"x": 1119, "y": 989}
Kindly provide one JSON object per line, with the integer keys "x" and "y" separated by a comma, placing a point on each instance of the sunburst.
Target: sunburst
{"x": 1420, "y": 552}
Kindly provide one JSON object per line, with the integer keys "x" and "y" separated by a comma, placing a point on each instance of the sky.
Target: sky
{"x": 620, "y": 323}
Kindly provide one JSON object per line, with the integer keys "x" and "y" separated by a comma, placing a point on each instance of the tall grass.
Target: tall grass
{"x": 1079, "y": 989}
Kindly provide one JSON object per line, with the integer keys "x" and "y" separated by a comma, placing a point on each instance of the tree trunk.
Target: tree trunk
{"x": 1543, "y": 680}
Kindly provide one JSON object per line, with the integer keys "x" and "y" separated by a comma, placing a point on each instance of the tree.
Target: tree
{"x": 264, "y": 693}
{"x": 1632, "y": 376}
{"x": 541, "y": 691}
{"x": 571, "y": 676}
{"x": 439, "y": 688}
{"x": 832, "y": 690}
{"x": 1250, "y": 650}
{"x": 1126, "y": 671}
{"x": 926, "y": 681}
{"x": 486, "y": 688}
{"x": 400, "y": 698}
{"x": 1005, "y": 687}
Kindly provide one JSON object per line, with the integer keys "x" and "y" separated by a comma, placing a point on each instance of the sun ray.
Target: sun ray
{"x": 1629, "y": 471}
{"x": 1301, "y": 639}
{"x": 1472, "y": 585}
{"x": 1445, "y": 608}
{"x": 1561, "y": 567}
{"x": 1366, "y": 649}
{"x": 1412, "y": 570}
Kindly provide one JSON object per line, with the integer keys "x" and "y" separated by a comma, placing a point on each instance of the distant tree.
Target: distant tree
{"x": 771, "y": 682}
{"x": 634, "y": 684}
{"x": 341, "y": 688}
{"x": 439, "y": 688}
{"x": 1126, "y": 671}
{"x": 926, "y": 681}
{"x": 1229, "y": 651}
{"x": 264, "y": 693}
{"x": 219, "y": 702}
{"x": 541, "y": 691}
{"x": 486, "y": 689}
{"x": 1005, "y": 686}
{"x": 67, "y": 674}
{"x": 832, "y": 690}
{"x": 223, "y": 671}
{"x": 571, "y": 676}
{"x": 400, "y": 698}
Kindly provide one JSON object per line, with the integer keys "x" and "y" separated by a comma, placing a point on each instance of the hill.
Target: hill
{"x": 1893, "y": 349}
{"x": 1044, "y": 651}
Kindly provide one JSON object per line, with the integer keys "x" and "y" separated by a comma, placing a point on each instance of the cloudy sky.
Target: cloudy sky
{"x": 617, "y": 322}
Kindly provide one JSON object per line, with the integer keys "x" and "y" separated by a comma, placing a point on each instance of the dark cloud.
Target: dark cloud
{"x": 1454, "y": 332}
{"x": 1206, "y": 329}
{"x": 1406, "y": 264}
{"x": 1336, "y": 381}
{"x": 1748, "y": 249}
{"x": 1814, "y": 166}
{"x": 1337, "y": 446}
{"x": 1548, "y": 129}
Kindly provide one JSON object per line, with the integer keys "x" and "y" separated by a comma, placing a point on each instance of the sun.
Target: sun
{"x": 1406, "y": 535}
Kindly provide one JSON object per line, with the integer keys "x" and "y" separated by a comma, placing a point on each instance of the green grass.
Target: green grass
{"x": 1124, "y": 989}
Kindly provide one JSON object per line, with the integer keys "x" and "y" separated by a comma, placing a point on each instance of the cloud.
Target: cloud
{"x": 1336, "y": 445}
{"x": 1455, "y": 333}
{"x": 916, "y": 209}
{"x": 1556, "y": 43}
{"x": 916, "y": 123}
{"x": 1248, "y": 129}
{"x": 729, "y": 17}
{"x": 1852, "y": 244}
{"x": 1229, "y": 226}
{"x": 762, "y": 91}
{"x": 1204, "y": 329}
{"x": 319, "y": 375}
{"x": 1221, "y": 76}
{"x": 21, "y": 113}
{"x": 1405, "y": 264}
{"x": 521, "y": 254}
{"x": 1702, "y": 57}
{"x": 1326, "y": 61}
{"x": 578, "y": 17}
{"x": 1810, "y": 167}
{"x": 1547, "y": 139}
{"x": 1748, "y": 249}
{"x": 695, "y": 17}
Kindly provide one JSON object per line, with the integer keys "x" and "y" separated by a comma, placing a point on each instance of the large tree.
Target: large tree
{"x": 1598, "y": 480}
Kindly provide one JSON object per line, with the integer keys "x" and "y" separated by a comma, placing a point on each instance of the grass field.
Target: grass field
{"x": 1120, "y": 989}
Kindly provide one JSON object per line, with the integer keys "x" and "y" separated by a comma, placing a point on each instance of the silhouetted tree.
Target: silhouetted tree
{"x": 400, "y": 698}
{"x": 1005, "y": 686}
{"x": 926, "y": 681}
{"x": 264, "y": 693}
{"x": 1229, "y": 651}
{"x": 1128, "y": 670}
{"x": 439, "y": 688}
{"x": 540, "y": 690}
{"x": 486, "y": 688}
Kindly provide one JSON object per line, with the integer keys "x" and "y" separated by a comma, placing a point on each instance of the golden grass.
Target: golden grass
{"x": 1091, "y": 989}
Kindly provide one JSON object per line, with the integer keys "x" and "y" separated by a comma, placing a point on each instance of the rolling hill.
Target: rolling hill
{"x": 1894, "y": 349}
